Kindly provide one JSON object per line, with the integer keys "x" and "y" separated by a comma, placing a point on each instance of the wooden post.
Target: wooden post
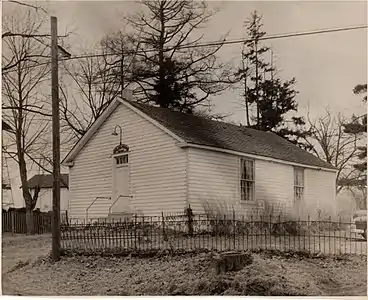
{"x": 55, "y": 143}
{"x": 12, "y": 222}
{"x": 189, "y": 213}
{"x": 67, "y": 218}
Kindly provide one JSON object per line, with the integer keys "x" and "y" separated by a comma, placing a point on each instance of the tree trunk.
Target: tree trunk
{"x": 29, "y": 221}
{"x": 161, "y": 90}
{"x": 256, "y": 87}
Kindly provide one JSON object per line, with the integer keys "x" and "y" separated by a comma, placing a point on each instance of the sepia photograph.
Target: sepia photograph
{"x": 184, "y": 148}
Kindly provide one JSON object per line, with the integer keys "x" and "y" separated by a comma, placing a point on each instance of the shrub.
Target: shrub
{"x": 221, "y": 219}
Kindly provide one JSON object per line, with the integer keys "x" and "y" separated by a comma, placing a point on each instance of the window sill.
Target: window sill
{"x": 248, "y": 202}
{"x": 122, "y": 165}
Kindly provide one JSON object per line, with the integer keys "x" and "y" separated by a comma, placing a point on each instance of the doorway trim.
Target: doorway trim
{"x": 120, "y": 160}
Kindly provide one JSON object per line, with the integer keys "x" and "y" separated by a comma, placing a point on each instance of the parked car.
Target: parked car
{"x": 360, "y": 221}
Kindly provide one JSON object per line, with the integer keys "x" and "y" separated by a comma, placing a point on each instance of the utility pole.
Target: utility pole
{"x": 55, "y": 143}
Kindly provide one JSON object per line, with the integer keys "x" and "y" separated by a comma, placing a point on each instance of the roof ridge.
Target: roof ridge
{"x": 197, "y": 129}
{"x": 192, "y": 115}
{"x": 203, "y": 118}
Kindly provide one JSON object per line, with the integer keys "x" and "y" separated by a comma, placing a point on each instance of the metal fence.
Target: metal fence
{"x": 218, "y": 233}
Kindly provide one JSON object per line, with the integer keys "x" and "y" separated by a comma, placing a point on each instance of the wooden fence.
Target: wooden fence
{"x": 15, "y": 222}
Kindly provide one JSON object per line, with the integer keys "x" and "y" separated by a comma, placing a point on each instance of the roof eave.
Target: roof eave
{"x": 227, "y": 151}
{"x": 86, "y": 137}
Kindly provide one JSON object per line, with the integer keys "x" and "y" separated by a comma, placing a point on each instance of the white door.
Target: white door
{"x": 121, "y": 185}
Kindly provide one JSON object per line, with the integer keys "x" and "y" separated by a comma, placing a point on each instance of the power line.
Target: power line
{"x": 238, "y": 41}
{"x": 218, "y": 43}
{"x": 278, "y": 36}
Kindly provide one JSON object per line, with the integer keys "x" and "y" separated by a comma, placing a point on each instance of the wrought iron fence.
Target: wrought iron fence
{"x": 218, "y": 233}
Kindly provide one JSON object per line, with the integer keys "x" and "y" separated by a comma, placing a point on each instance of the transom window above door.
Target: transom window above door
{"x": 122, "y": 160}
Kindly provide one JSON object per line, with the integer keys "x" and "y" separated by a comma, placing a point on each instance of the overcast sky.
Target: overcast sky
{"x": 326, "y": 66}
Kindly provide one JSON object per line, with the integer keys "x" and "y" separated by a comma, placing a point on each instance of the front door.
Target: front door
{"x": 121, "y": 184}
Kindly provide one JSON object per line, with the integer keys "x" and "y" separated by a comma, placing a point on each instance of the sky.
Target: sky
{"x": 326, "y": 66}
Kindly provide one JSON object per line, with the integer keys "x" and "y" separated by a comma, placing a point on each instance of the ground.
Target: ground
{"x": 179, "y": 275}
{"x": 19, "y": 248}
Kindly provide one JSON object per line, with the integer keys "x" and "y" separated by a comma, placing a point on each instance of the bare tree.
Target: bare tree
{"x": 172, "y": 70}
{"x": 91, "y": 83}
{"x": 359, "y": 193}
{"x": 331, "y": 143}
{"x": 13, "y": 61}
{"x": 24, "y": 107}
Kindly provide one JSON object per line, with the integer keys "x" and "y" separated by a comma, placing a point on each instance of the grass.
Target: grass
{"x": 271, "y": 274}
{"x": 28, "y": 271}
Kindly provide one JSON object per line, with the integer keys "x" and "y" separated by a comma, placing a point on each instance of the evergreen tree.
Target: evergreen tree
{"x": 268, "y": 100}
{"x": 358, "y": 125}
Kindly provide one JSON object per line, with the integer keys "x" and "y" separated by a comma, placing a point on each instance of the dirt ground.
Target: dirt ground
{"x": 19, "y": 249}
{"x": 269, "y": 275}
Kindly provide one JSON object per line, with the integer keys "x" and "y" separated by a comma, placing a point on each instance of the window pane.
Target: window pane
{"x": 249, "y": 191}
{"x": 295, "y": 177}
{"x": 250, "y": 170}
{"x": 247, "y": 180}
{"x": 298, "y": 177}
{"x": 243, "y": 192}
{"x": 123, "y": 159}
{"x": 247, "y": 169}
{"x": 301, "y": 181}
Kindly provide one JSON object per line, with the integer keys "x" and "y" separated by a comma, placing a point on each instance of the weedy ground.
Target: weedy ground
{"x": 27, "y": 270}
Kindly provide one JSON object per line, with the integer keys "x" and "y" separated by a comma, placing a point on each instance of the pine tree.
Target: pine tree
{"x": 358, "y": 125}
{"x": 268, "y": 100}
{"x": 253, "y": 65}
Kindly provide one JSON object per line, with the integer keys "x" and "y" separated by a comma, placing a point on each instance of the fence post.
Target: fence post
{"x": 319, "y": 219}
{"x": 163, "y": 226}
{"x": 234, "y": 225}
{"x": 12, "y": 219}
{"x": 66, "y": 218}
{"x": 190, "y": 220}
{"x": 135, "y": 232}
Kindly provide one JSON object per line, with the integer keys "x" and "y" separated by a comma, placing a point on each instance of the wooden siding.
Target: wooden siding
{"x": 44, "y": 202}
{"x": 275, "y": 184}
{"x": 157, "y": 168}
{"x": 320, "y": 192}
{"x": 214, "y": 178}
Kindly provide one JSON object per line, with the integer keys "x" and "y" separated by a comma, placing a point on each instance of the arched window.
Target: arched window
{"x": 120, "y": 154}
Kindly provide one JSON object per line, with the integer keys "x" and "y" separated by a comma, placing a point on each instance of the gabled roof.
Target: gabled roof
{"x": 196, "y": 130}
{"x": 202, "y": 131}
{"x": 45, "y": 181}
